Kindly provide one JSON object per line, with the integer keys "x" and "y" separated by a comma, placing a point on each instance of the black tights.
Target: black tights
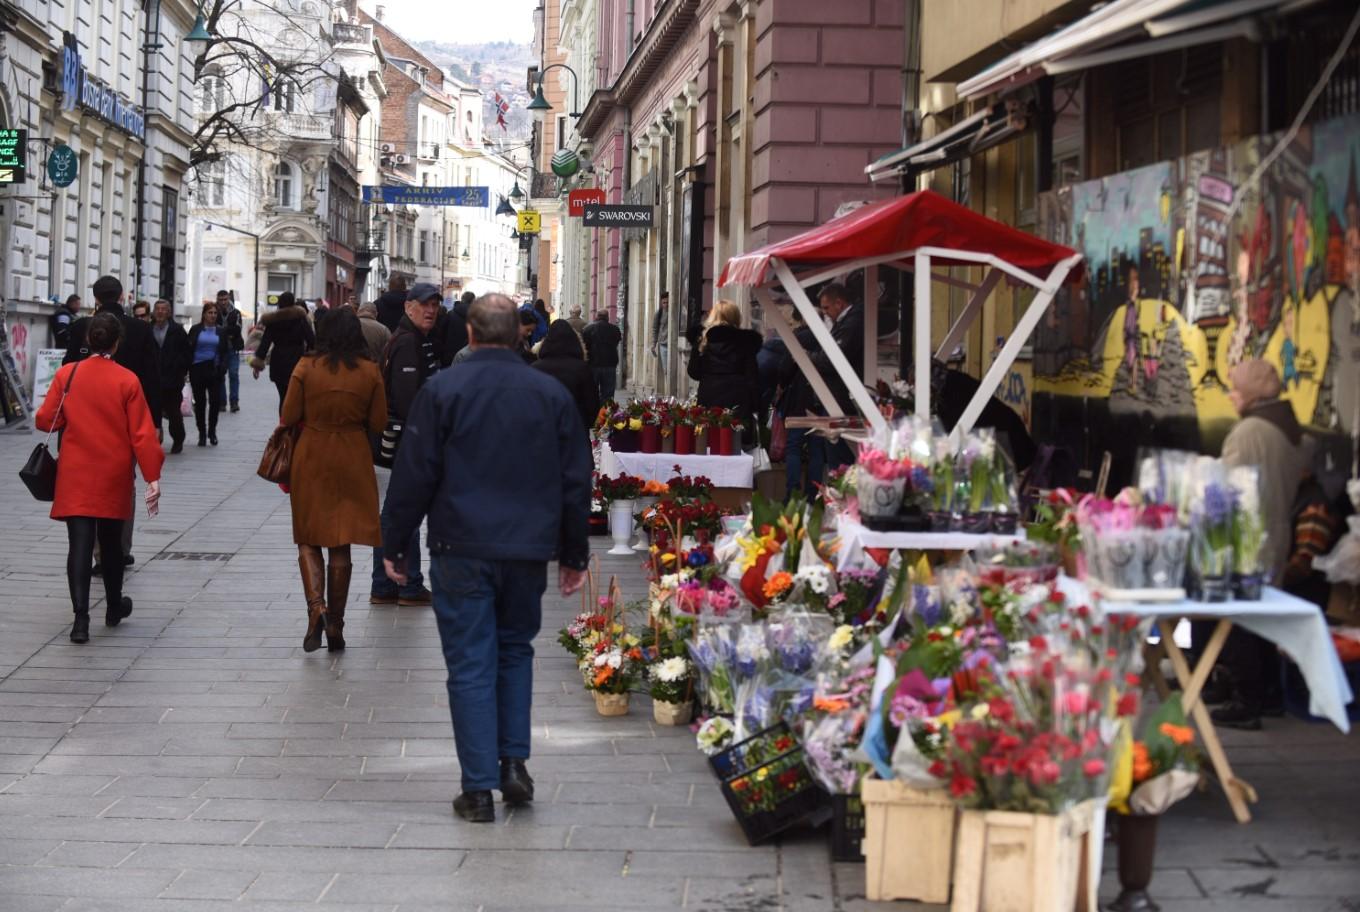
{"x": 205, "y": 383}
{"x": 81, "y": 532}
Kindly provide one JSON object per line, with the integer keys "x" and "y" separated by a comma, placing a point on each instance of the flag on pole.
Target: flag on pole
{"x": 502, "y": 108}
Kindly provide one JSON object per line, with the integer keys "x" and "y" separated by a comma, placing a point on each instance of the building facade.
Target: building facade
{"x": 740, "y": 123}
{"x": 106, "y": 88}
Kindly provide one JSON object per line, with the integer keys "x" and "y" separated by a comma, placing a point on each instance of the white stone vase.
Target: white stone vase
{"x": 621, "y": 527}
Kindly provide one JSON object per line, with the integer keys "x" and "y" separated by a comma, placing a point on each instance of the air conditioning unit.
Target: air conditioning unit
{"x": 387, "y": 148}
{"x": 401, "y": 158}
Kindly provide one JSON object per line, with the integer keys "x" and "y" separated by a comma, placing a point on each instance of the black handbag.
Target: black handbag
{"x": 39, "y": 474}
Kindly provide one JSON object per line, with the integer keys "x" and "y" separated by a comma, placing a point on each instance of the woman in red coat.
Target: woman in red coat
{"x": 106, "y": 425}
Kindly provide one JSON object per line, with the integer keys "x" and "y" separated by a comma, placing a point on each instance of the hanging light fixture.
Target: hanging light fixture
{"x": 200, "y": 30}
{"x": 505, "y": 208}
{"x": 516, "y": 194}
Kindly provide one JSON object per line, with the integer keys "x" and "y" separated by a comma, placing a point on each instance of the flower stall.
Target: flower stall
{"x": 972, "y": 700}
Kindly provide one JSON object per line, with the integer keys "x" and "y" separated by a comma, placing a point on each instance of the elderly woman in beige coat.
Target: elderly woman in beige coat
{"x": 1269, "y": 437}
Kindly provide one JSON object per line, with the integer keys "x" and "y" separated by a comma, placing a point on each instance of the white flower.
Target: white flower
{"x": 615, "y": 660}
{"x": 714, "y": 735}
{"x": 671, "y": 670}
{"x": 601, "y": 659}
{"x": 1245, "y": 480}
{"x": 841, "y": 637}
{"x": 960, "y": 612}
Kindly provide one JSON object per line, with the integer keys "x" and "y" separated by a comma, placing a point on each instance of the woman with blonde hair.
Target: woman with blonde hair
{"x": 722, "y": 358}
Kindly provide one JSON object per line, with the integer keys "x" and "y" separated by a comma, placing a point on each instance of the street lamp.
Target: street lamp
{"x": 539, "y": 105}
{"x": 505, "y": 208}
{"x": 516, "y": 194}
{"x": 200, "y": 30}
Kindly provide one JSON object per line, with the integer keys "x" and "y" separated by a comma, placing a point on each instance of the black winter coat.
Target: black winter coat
{"x": 408, "y": 365}
{"x": 725, "y": 366}
{"x": 799, "y": 399}
{"x": 391, "y": 308}
{"x": 289, "y": 335}
{"x": 176, "y": 355}
{"x": 137, "y": 352}
{"x": 223, "y": 347}
{"x": 848, "y": 331}
{"x": 602, "y": 343}
{"x": 455, "y": 332}
{"x": 577, "y": 377}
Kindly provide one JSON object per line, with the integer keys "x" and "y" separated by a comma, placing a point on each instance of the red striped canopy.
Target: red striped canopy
{"x": 898, "y": 226}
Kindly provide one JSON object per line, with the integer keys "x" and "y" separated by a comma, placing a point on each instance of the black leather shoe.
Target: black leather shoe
{"x": 475, "y": 807}
{"x": 517, "y": 786}
{"x": 202, "y": 441}
{"x": 129, "y": 560}
{"x": 212, "y": 438}
{"x": 1238, "y": 715}
{"x": 112, "y": 615}
{"x": 80, "y": 630}
{"x": 177, "y": 447}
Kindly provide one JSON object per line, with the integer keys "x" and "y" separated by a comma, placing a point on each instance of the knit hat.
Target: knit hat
{"x": 1255, "y": 381}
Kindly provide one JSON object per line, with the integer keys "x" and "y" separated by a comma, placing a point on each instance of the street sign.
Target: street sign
{"x": 13, "y": 156}
{"x": 617, "y": 216}
{"x": 530, "y": 222}
{"x": 400, "y": 195}
{"x": 62, "y": 165}
{"x": 577, "y": 200}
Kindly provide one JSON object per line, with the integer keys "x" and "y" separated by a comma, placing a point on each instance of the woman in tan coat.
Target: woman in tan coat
{"x": 336, "y": 394}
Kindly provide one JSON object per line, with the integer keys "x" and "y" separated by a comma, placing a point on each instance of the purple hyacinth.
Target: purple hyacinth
{"x": 1218, "y": 504}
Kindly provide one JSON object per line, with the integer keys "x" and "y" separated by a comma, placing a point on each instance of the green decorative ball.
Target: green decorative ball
{"x": 565, "y": 163}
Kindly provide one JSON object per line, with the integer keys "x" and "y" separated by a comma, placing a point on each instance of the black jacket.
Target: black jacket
{"x": 949, "y": 399}
{"x": 223, "y": 347}
{"x": 455, "y": 336}
{"x": 725, "y": 366}
{"x": 137, "y": 352}
{"x": 391, "y": 308}
{"x": 493, "y": 453}
{"x": 60, "y": 324}
{"x": 799, "y": 398}
{"x": 231, "y": 321}
{"x": 176, "y": 355}
{"x": 407, "y": 366}
{"x": 848, "y": 331}
{"x": 576, "y": 376}
{"x": 602, "y": 343}
{"x": 288, "y": 332}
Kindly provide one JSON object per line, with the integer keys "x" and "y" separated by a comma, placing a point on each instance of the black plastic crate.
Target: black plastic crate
{"x": 847, "y": 828}
{"x": 766, "y": 783}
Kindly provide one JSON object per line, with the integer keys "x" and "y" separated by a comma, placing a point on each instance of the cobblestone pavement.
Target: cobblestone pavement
{"x": 196, "y": 759}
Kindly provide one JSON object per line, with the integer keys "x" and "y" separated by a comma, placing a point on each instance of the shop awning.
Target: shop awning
{"x": 978, "y": 133}
{"x": 891, "y": 229}
{"x": 1123, "y": 30}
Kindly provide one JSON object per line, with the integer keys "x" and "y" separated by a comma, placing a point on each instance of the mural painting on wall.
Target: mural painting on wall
{"x": 1184, "y": 280}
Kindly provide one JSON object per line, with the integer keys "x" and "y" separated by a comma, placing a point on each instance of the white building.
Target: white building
{"x": 85, "y": 75}
{"x": 259, "y": 219}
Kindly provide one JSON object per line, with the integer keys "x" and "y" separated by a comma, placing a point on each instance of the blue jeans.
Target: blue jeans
{"x": 798, "y": 438}
{"x": 488, "y": 614}
{"x": 605, "y": 380}
{"x": 232, "y": 380}
{"x": 382, "y": 585}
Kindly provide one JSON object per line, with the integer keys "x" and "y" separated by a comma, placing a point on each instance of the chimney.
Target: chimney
{"x": 379, "y": 11}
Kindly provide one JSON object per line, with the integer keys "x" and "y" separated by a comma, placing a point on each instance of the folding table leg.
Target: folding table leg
{"x": 1237, "y": 791}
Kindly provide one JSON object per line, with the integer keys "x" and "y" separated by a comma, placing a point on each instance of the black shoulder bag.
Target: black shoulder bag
{"x": 39, "y": 474}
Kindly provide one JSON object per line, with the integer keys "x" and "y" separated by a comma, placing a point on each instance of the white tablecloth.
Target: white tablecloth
{"x": 856, "y": 537}
{"x": 1294, "y": 625}
{"x": 723, "y": 471}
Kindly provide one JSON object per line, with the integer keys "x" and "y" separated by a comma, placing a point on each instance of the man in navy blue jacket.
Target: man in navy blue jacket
{"x": 495, "y": 455}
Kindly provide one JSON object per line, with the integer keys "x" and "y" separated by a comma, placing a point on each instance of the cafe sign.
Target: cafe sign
{"x": 81, "y": 90}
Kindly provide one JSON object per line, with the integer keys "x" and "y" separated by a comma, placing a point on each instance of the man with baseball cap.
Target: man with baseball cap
{"x": 411, "y": 358}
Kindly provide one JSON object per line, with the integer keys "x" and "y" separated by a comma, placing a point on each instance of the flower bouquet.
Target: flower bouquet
{"x": 1133, "y": 548}
{"x": 1054, "y": 522}
{"x": 611, "y": 669}
{"x": 1248, "y": 533}
{"x": 1159, "y": 769}
{"x": 880, "y": 481}
{"x": 671, "y": 682}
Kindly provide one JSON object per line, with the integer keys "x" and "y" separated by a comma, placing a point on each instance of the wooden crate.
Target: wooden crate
{"x": 1013, "y": 862}
{"x": 908, "y": 842}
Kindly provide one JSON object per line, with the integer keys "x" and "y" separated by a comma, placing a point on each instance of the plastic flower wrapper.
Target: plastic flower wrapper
{"x": 751, "y": 654}
{"x": 943, "y": 475}
{"x": 830, "y": 744}
{"x": 1213, "y": 539}
{"x": 713, "y": 651}
{"x": 1248, "y": 525}
{"x": 794, "y": 637}
{"x": 715, "y": 735}
{"x": 856, "y": 594}
{"x": 960, "y": 598}
{"x": 1162, "y": 764}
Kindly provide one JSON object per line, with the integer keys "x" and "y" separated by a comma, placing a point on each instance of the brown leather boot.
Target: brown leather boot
{"x": 337, "y": 594}
{"x": 313, "y": 567}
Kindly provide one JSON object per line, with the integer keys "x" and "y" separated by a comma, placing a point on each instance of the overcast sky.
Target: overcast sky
{"x": 460, "y": 21}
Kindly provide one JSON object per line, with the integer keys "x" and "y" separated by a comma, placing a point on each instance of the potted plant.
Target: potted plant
{"x": 880, "y": 482}
{"x": 671, "y": 681}
{"x": 1212, "y": 546}
{"x": 619, "y": 495}
{"x": 610, "y": 672}
{"x": 1055, "y": 523}
{"x": 1248, "y": 534}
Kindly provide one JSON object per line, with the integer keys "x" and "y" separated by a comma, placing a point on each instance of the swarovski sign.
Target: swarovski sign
{"x": 598, "y": 215}
{"x": 80, "y": 89}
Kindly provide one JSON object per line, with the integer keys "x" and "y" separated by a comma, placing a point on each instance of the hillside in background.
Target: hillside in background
{"x": 498, "y": 66}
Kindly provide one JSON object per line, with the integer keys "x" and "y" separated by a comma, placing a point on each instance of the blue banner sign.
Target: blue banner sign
{"x": 80, "y": 89}
{"x": 399, "y": 195}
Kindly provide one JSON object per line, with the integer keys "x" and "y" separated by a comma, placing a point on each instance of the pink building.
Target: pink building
{"x": 742, "y": 123}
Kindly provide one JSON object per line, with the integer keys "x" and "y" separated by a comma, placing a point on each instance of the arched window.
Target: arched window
{"x": 285, "y": 186}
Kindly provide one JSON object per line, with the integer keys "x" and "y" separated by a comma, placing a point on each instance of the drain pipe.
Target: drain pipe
{"x": 153, "y": 44}
{"x": 621, "y": 293}
{"x": 911, "y": 133}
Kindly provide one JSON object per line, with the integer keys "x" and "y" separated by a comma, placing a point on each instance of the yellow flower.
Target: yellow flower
{"x": 948, "y": 719}
{"x": 842, "y": 637}
{"x": 617, "y": 629}
{"x": 761, "y": 774}
{"x": 634, "y": 424}
{"x": 980, "y": 711}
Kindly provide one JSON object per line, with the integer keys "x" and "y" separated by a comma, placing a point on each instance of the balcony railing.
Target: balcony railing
{"x": 306, "y": 126}
{"x": 347, "y": 33}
